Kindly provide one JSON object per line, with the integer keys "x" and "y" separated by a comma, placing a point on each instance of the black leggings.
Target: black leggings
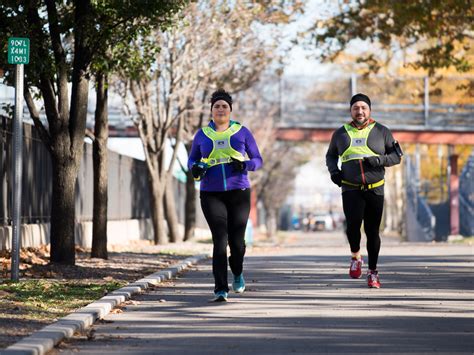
{"x": 226, "y": 213}
{"x": 368, "y": 207}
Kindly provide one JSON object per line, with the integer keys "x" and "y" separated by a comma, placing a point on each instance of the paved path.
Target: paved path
{"x": 299, "y": 299}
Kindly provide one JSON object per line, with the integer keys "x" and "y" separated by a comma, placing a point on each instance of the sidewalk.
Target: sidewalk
{"x": 299, "y": 299}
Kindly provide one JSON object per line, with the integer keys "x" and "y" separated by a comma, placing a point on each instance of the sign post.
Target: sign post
{"x": 18, "y": 54}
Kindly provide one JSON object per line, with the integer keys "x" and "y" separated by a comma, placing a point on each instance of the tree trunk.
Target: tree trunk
{"x": 170, "y": 212}
{"x": 66, "y": 117}
{"x": 63, "y": 211}
{"x": 271, "y": 222}
{"x": 68, "y": 141}
{"x": 68, "y": 147}
{"x": 101, "y": 132}
{"x": 189, "y": 207}
{"x": 157, "y": 210}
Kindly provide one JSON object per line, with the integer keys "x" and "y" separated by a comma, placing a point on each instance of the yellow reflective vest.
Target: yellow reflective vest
{"x": 222, "y": 152}
{"x": 358, "y": 149}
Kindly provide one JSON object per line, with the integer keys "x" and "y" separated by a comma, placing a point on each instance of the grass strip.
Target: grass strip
{"x": 47, "y": 300}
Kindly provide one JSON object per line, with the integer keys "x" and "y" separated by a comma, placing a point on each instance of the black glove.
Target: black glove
{"x": 374, "y": 162}
{"x": 337, "y": 178}
{"x": 237, "y": 165}
{"x": 199, "y": 170}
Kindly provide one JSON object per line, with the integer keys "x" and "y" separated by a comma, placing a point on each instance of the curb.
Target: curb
{"x": 45, "y": 339}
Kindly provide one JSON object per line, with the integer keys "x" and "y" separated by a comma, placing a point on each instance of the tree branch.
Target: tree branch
{"x": 43, "y": 132}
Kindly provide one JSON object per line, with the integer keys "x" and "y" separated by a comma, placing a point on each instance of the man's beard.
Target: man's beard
{"x": 360, "y": 122}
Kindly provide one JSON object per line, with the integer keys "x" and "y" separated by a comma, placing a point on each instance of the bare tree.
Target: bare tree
{"x": 234, "y": 56}
{"x": 215, "y": 44}
{"x": 160, "y": 102}
{"x": 274, "y": 182}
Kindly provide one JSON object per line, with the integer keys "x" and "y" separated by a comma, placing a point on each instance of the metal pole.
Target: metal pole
{"x": 453, "y": 191}
{"x": 417, "y": 177}
{"x": 280, "y": 96}
{"x": 17, "y": 163}
{"x": 353, "y": 84}
{"x": 426, "y": 102}
{"x": 440, "y": 158}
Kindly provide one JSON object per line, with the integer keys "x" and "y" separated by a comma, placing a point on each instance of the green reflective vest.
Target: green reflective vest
{"x": 222, "y": 152}
{"x": 358, "y": 148}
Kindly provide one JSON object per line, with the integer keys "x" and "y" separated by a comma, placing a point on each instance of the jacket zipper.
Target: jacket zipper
{"x": 362, "y": 171}
{"x": 223, "y": 175}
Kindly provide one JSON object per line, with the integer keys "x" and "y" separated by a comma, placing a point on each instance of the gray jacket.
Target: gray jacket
{"x": 380, "y": 141}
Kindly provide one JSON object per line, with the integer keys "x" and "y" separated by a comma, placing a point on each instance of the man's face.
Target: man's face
{"x": 360, "y": 112}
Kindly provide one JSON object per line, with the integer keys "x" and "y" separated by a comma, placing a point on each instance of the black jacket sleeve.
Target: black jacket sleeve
{"x": 332, "y": 155}
{"x": 390, "y": 158}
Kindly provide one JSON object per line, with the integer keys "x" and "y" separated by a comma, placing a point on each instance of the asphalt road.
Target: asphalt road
{"x": 300, "y": 299}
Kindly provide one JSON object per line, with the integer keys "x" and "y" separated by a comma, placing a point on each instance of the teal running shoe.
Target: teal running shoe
{"x": 220, "y": 296}
{"x": 239, "y": 284}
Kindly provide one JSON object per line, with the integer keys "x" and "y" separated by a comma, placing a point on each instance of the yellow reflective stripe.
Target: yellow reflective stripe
{"x": 376, "y": 184}
{"x": 362, "y": 186}
{"x": 350, "y": 183}
{"x": 354, "y": 156}
{"x": 213, "y": 161}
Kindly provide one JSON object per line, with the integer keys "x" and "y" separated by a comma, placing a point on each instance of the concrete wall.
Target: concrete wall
{"x": 119, "y": 233}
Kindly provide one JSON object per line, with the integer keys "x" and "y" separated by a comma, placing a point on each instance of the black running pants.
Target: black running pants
{"x": 363, "y": 206}
{"x": 226, "y": 213}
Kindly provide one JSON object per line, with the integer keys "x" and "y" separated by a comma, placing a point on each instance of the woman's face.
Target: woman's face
{"x": 221, "y": 112}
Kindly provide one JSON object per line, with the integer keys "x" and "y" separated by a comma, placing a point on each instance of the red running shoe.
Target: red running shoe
{"x": 355, "y": 271}
{"x": 373, "y": 279}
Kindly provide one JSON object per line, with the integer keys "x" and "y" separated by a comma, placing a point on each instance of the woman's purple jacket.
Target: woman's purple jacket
{"x": 222, "y": 177}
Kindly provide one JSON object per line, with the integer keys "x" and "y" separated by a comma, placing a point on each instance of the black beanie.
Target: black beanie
{"x": 361, "y": 97}
{"x": 221, "y": 94}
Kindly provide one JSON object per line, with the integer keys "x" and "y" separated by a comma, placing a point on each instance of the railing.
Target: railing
{"x": 412, "y": 104}
{"x": 422, "y": 227}
{"x": 466, "y": 199}
{"x": 406, "y": 117}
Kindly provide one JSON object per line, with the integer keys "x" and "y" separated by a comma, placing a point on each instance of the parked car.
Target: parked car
{"x": 323, "y": 222}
